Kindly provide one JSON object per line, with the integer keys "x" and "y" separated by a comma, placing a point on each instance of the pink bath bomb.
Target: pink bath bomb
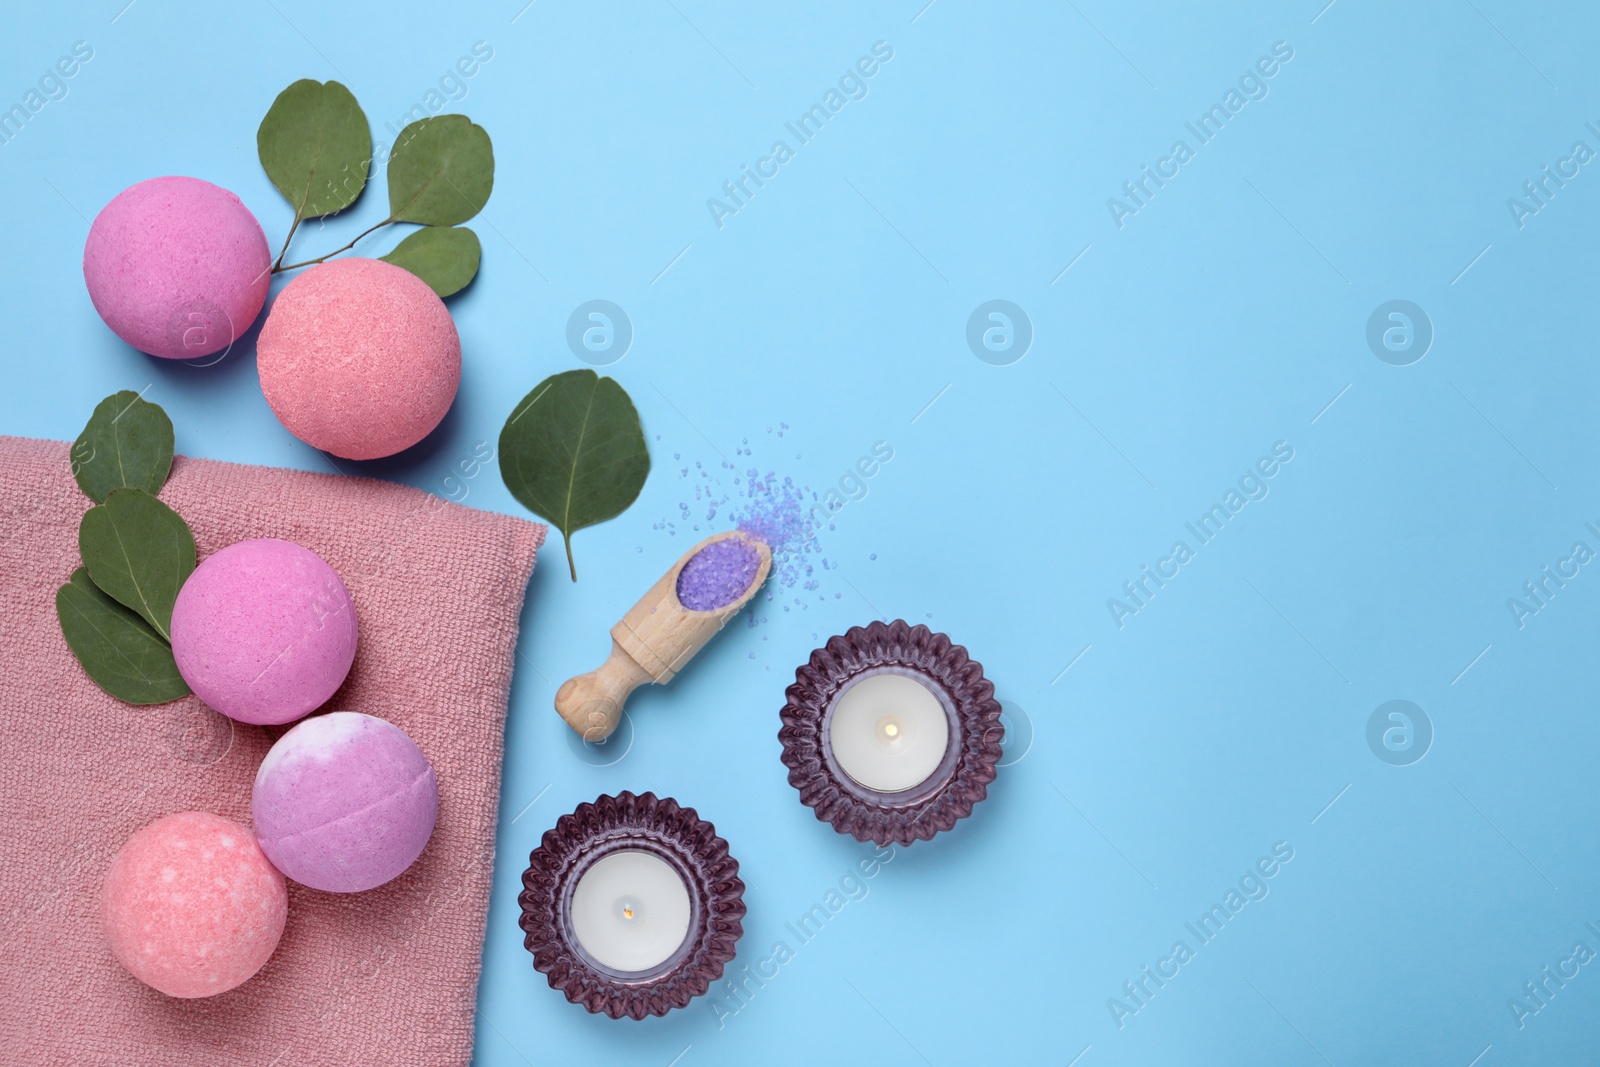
{"x": 264, "y": 631}
{"x": 359, "y": 358}
{"x": 344, "y": 802}
{"x": 191, "y": 907}
{"x": 177, "y": 267}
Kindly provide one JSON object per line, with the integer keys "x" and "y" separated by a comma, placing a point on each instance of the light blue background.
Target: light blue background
{"x": 1225, "y": 316}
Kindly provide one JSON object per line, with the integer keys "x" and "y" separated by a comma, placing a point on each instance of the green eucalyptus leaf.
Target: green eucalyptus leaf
{"x": 440, "y": 172}
{"x": 446, "y": 257}
{"x": 573, "y": 452}
{"x": 316, "y": 147}
{"x": 139, "y": 551}
{"x": 117, "y": 649}
{"x": 126, "y": 444}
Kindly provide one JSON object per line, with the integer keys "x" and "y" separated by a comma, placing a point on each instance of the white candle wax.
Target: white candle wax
{"x": 630, "y": 911}
{"x": 889, "y": 732}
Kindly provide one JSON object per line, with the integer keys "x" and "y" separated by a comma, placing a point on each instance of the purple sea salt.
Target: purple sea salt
{"x": 772, "y": 509}
{"x": 777, "y": 513}
{"x": 718, "y": 574}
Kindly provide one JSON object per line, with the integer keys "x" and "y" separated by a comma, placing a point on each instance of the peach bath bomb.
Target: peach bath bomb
{"x": 177, "y": 267}
{"x": 359, "y": 358}
{"x": 191, "y": 907}
{"x": 344, "y": 802}
{"x": 264, "y": 631}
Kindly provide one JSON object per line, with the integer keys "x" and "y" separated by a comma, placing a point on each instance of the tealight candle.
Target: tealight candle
{"x": 631, "y": 905}
{"x": 630, "y": 911}
{"x": 891, "y": 733}
{"x": 889, "y": 730}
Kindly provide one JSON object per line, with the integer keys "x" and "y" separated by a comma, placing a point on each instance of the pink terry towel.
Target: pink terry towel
{"x": 384, "y": 977}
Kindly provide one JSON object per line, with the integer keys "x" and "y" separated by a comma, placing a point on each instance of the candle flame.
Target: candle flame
{"x": 627, "y": 913}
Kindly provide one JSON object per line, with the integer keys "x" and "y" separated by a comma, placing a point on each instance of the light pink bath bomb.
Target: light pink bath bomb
{"x": 177, "y": 267}
{"x": 344, "y": 802}
{"x": 191, "y": 907}
{"x": 264, "y": 631}
{"x": 359, "y": 358}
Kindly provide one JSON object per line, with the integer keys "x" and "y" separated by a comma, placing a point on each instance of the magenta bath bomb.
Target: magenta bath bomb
{"x": 359, "y": 358}
{"x": 177, "y": 267}
{"x": 264, "y": 631}
{"x": 344, "y": 802}
{"x": 191, "y": 907}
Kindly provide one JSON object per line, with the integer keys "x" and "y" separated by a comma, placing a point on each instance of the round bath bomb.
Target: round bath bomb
{"x": 344, "y": 802}
{"x": 177, "y": 267}
{"x": 359, "y": 358}
{"x": 264, "y": 631}
{"x": 191, "y": 907}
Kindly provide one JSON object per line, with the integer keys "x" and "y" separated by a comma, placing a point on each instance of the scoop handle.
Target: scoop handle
{"x": 592, "y": 703}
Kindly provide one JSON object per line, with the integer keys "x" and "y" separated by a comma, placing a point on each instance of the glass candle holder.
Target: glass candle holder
{"x": 631, "y": 905}
{"x": 891, "y": 733}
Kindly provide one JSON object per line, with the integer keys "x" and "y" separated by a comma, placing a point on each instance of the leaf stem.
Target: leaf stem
{"x": 280, "y": 268}
{"x": 571, "y": 566}
{"x": 293, "y": 226}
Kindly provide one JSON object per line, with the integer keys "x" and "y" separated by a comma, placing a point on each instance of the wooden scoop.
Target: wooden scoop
{"x": 651, "y": 643}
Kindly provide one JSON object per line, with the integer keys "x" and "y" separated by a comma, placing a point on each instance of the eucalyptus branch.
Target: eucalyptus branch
{"x": 295, "y": 225}
{"x": 280, "y": 268}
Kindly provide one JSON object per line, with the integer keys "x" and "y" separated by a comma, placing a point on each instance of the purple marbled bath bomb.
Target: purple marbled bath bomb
{"x": 264, "y": 631}
{"x": 718, "y": 574}
{"x": 344, "y": 802}
{"x": 177, "y": 267}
